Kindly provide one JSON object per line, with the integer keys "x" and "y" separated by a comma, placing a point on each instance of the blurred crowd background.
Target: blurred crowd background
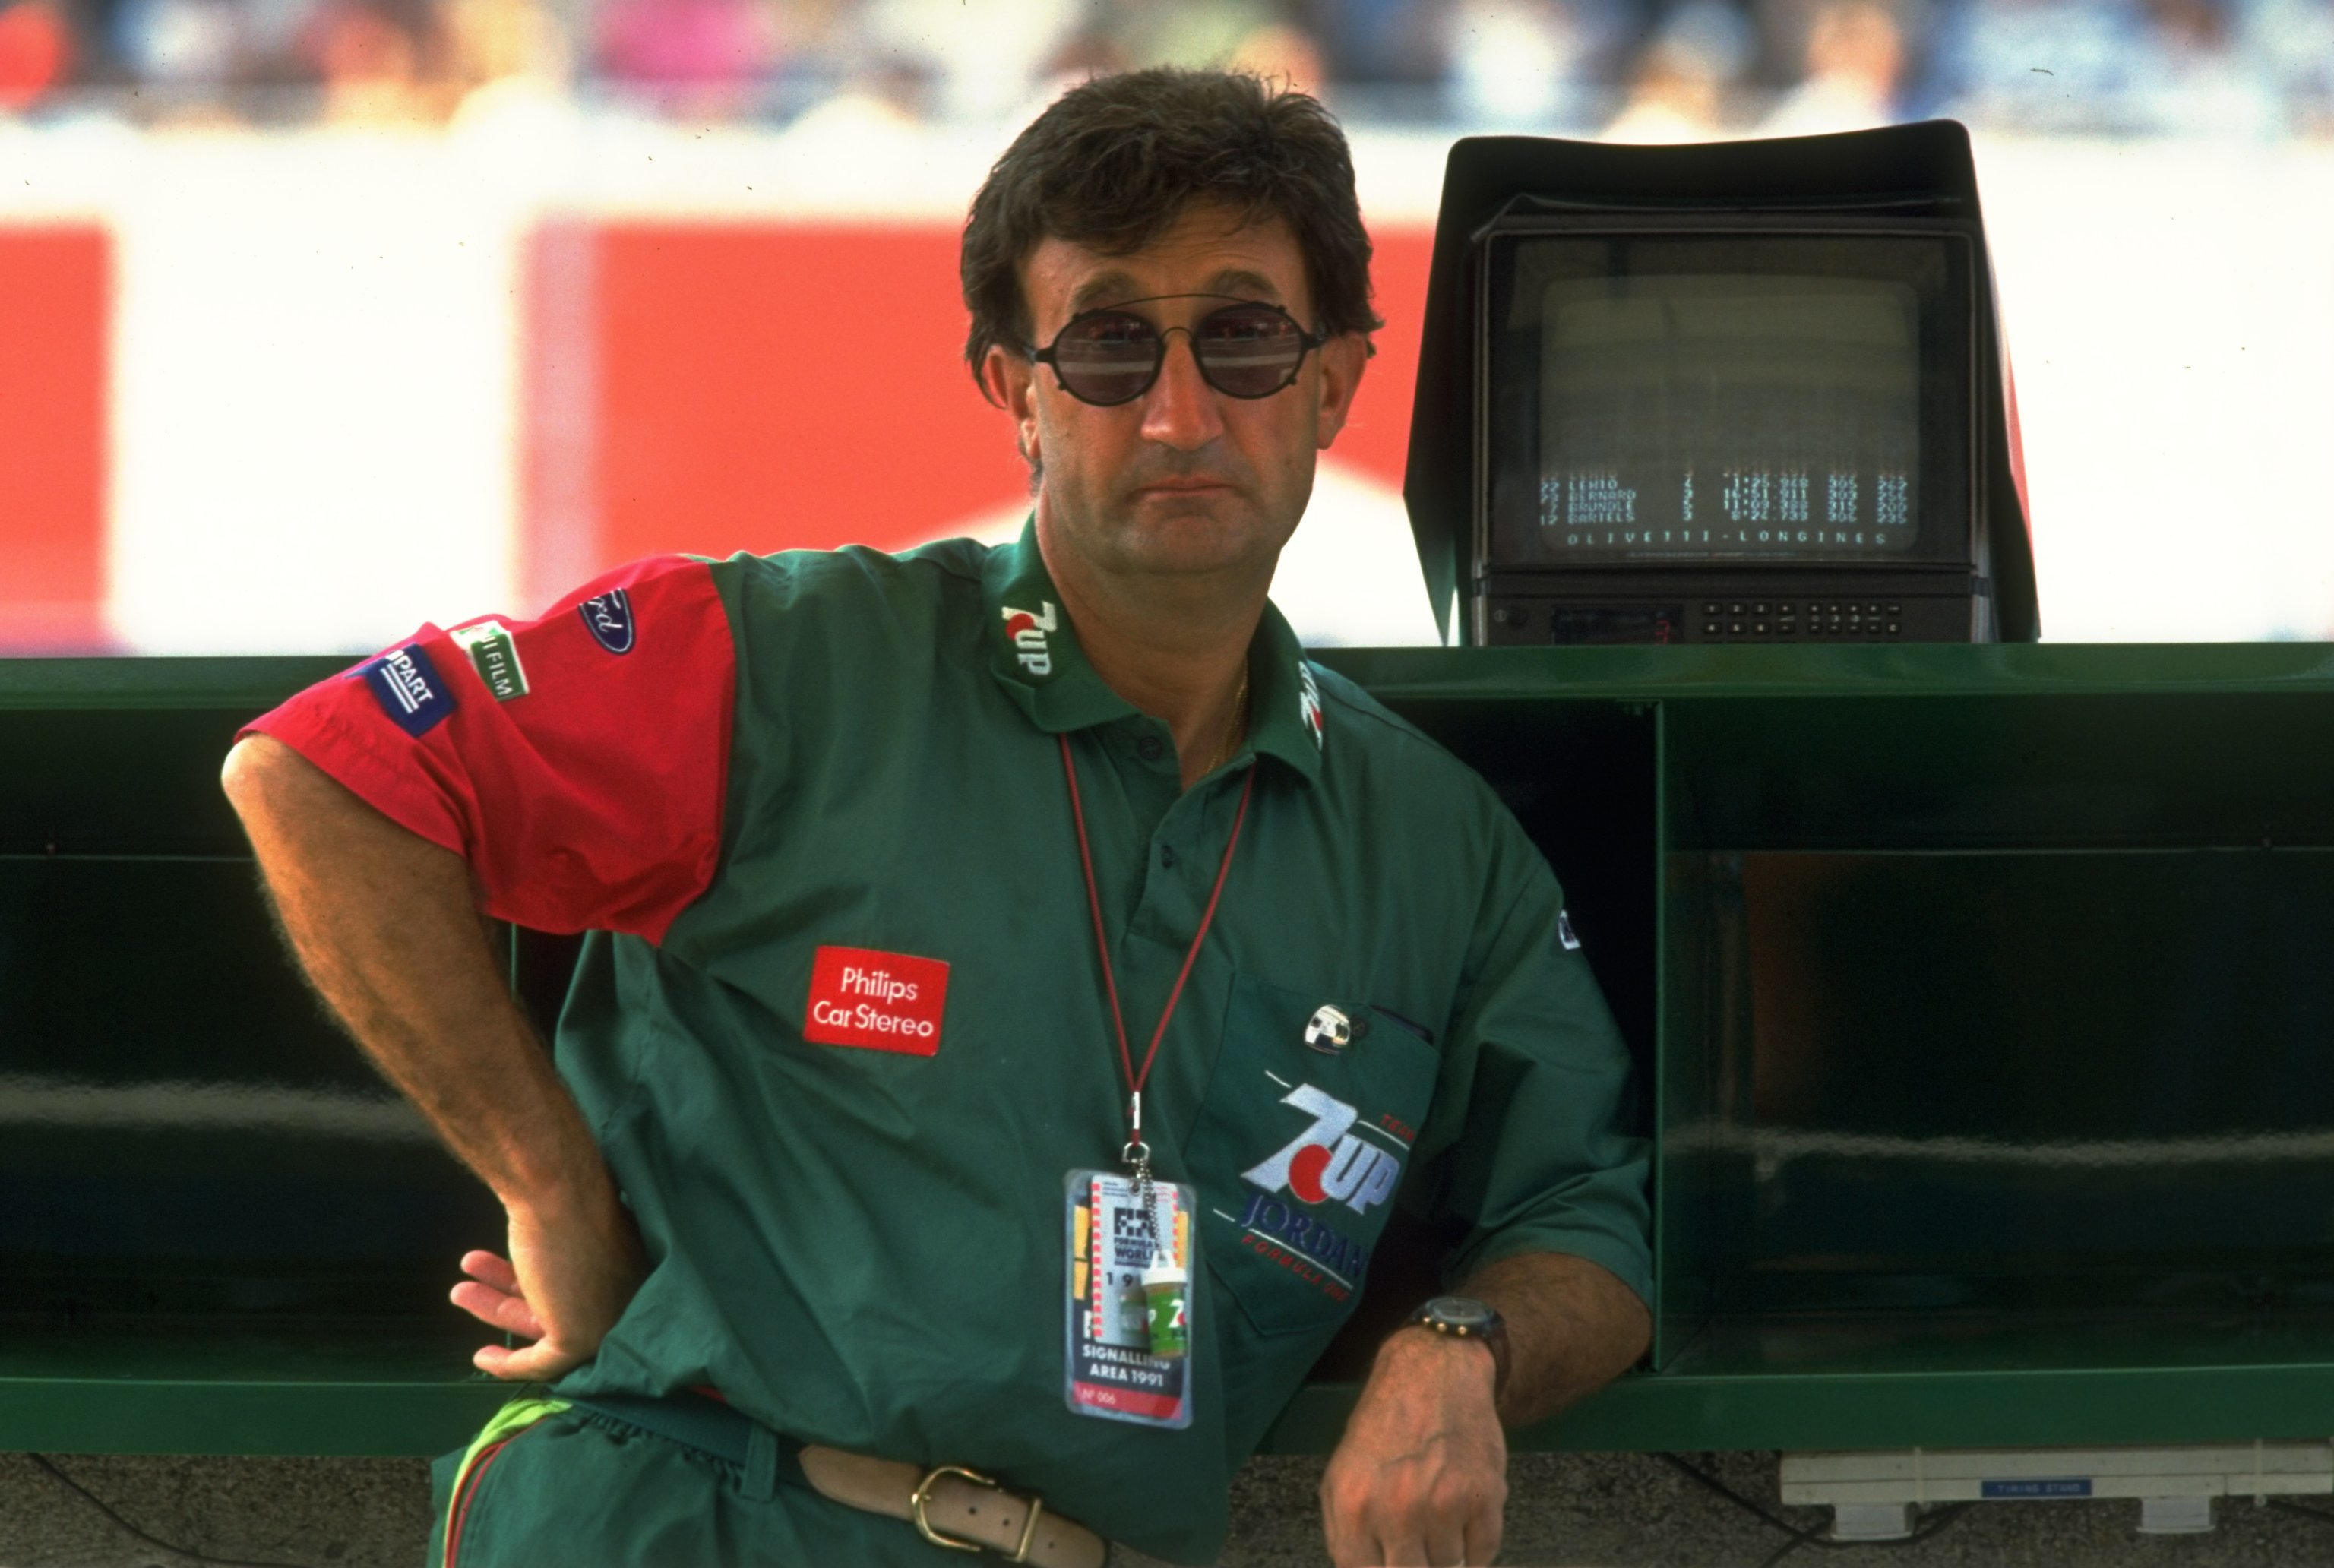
{"x": 1628, "y": 69}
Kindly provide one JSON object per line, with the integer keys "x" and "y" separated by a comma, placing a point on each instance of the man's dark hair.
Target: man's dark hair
{"x": 1114, "y": 163}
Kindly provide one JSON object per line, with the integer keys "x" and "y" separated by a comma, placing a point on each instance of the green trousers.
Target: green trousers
{"x": 569, "y": 1488}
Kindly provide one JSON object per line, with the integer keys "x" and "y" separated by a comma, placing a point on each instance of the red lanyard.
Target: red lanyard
{"x": 1134, "y": 1079}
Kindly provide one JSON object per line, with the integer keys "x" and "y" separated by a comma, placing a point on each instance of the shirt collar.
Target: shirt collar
{"x": 1036, "y": 657}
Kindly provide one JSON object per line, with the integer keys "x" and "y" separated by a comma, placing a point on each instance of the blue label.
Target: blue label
{"x": 2061, "y": 1486}
{"x": 406, "y": 685}
{"x": 609, "y": 618}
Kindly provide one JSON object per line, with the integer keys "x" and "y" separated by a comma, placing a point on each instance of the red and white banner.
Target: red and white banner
{"x": 304, "y": 392}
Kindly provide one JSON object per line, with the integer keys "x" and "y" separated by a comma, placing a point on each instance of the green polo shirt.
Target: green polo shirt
{"x": 859, "y": 1240}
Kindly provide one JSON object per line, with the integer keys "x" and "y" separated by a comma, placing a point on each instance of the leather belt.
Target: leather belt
{"x": 953, "y": 1506}
{"x": 949, "y": 1505}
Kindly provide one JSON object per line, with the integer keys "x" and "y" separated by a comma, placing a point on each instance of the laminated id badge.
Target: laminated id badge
{"x": 1129, "y": 1315}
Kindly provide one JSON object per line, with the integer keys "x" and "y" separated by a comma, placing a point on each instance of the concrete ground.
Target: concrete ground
{"x": 1611, "y": 1511}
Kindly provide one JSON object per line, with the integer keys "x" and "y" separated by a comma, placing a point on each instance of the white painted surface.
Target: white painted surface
{"x": 313, "y": 393}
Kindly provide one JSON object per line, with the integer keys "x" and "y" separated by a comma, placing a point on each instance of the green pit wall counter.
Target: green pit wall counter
{"x": 1982, "y": 998}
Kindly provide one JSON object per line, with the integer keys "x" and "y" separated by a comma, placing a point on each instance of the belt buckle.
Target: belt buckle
{"x": 921, "y": 1498}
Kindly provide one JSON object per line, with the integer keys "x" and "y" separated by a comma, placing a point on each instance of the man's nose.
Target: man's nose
{"x": 1180, "y": 410}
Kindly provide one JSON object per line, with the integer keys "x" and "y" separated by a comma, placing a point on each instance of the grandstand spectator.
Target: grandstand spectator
{"x": 2193, "y": 81}
{"x": 37, "y": 51}
{"x": 1686, "y": 77}
{"x": 192, "y": 49}
{"x": 2043, "y": 65}
{"x": 1854, "y": 56}
{"x": 372, "y": 59}
{"x": 1282, "y": 53}
{"x": 1192, "y": 34}
{"x": 2290, "y": 45}
{"x": 1531, "y": 64}
{"x": 701, "y": 58}
{"x": 979, "y": 58}
{"x": 508, "y": 60}
{"x": 1383, "y": 42}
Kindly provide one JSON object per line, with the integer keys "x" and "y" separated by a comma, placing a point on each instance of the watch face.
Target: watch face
{"x": 1458, "y": 1312}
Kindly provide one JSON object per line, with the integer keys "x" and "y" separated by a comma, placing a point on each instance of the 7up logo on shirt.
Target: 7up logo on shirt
{"x": 1328, "y": 1161}
{"x": 1028, "y": 634}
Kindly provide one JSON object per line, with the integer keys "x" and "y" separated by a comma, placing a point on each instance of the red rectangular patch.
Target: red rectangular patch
{"x": 880, "y": 1001}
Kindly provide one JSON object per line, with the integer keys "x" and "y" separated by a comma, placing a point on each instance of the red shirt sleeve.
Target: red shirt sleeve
{"x": 578, "y": 762}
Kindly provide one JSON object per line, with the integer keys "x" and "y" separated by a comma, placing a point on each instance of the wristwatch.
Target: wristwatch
{"x": 1462, "y": 1317}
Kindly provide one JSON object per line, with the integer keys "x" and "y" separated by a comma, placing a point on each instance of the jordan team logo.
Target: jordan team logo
{"x": 1308, "y": 700}
{"x": 1028, "y": 633}
{"x": 1329, "y": 1161}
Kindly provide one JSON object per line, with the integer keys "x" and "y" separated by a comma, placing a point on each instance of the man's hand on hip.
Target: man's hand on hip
{"x": 1421, "y": 1475}
{"x": 562, "y": 1287}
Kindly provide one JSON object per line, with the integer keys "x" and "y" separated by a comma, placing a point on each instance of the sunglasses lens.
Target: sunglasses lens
{"x": 1106, "y": 358}
{"x": 1248, "y": 351}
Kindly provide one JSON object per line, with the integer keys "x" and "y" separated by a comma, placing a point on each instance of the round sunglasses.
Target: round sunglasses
{"x": 1245, "y": 350}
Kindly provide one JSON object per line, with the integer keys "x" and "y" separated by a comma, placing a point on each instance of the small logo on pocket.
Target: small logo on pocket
{"x": 1329, "y": 1030}
{"x": 1330, "y": 1161}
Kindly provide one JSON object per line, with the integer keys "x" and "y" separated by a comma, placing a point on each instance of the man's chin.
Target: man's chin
{"x": 1194, "y": 538}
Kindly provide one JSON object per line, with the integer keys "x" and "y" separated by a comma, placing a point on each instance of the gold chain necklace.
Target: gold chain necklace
{"x": 1235, "y": 729}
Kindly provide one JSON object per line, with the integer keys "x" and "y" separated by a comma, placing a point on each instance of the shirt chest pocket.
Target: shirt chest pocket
{"x": 1301, "y": 1142}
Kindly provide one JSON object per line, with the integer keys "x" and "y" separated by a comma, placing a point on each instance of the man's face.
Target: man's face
{"x": 1184, "y": 478}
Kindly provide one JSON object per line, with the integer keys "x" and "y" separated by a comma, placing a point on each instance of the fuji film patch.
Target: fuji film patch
{"x": 876, "y": 1001}
{"x": 493, "y": 654}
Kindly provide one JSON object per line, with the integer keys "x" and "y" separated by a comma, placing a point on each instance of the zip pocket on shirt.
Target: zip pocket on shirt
{"x": 1301, "y": 1142}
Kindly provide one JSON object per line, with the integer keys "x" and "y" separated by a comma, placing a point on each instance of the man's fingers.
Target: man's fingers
{"x": 1351, "y": 1546}
{"x": 536, "y": 1364}
{"x": 1446, "y": 1546}
{"x": 1483, "y": 1533}
{"x": 498, "y": 1309}
{"x": 492, "y": 1269}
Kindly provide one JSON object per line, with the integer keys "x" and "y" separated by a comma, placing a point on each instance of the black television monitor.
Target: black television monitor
{"x": 1731, "y": 392}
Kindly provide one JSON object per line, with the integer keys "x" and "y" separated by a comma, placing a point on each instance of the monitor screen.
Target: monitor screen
{"x": 1781, "y": 399}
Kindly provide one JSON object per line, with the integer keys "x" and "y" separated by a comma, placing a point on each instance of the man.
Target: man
{"x": 966, "y": 920}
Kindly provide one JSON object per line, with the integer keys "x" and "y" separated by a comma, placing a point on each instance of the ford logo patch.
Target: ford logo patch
{"x": 609, "y": 618}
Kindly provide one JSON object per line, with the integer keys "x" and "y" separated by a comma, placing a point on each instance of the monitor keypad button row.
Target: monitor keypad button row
{"x": 1824, "y": 619}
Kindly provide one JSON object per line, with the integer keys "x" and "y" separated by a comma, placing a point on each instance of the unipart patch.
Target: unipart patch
{"x": 877, "y": 1001}
{"x": 1029, "y": 630}
{"x": 409, "y": 690}
{"x": 609, "y": 618}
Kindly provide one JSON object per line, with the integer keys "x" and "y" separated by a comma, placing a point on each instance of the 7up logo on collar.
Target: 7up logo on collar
{"x": 1308, "y": 700}
{"x": 1329, "y": 1160}
{"x": 1028, "y": 634}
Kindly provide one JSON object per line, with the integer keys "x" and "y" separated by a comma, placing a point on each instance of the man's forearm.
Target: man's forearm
{"x": 1572, "y": 1328}
{"x": 387, "y": 927}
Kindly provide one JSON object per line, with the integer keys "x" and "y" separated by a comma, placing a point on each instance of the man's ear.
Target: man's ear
{"x": 1009, "y": 378}
{"x": 1343, "y": 358}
